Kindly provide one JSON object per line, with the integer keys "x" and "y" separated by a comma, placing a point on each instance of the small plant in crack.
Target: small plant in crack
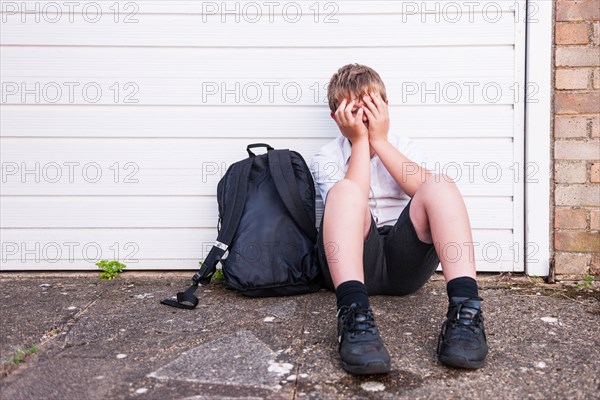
{"x": 217, "y": 277}
{"x": 587, "y": 282}
{"x": 21, "y": 354}
{"x": 111, "y": 269}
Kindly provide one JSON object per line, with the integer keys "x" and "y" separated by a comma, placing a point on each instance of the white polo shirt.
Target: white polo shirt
{"x": 386, "y": 199}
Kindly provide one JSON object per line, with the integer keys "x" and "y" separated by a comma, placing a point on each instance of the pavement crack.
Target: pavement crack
{"x": 49, "y": 338}
{"x": 72, "y": 320}
{"x": 64, "y": 327}
{"x": 302, "y": 343}
{"x": 75, "y": 316}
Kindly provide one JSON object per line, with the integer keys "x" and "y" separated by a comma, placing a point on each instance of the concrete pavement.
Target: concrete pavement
{"x": 113, "y": 340}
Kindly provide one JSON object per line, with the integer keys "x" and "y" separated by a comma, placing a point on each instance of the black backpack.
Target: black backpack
{"x": 267, "y": 223}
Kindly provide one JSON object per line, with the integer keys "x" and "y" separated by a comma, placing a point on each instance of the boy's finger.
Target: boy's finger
{"x": 349, "y": 106}
{"x": 378, "y": 100}
{"x": 341, "y": 106}
{"x": 359, "y": 114}
{"x": 376, "y": 95}
{"x": 340, "y": 112}
{"x": 348, "y": 111}
{"x": 371, "y": 106}
{"x": 370, "y": 115}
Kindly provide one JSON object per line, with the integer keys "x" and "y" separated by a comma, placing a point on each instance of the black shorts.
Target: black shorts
{"x": 395, "y": 260}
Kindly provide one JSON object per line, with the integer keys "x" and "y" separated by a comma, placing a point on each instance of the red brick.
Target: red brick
{"x": 595, "y": 265}
{"x": 596, "y": 79}
{"x": 572, "y": 33}
{"x": 577, "y": 56}
{"x": 571, "y": 264}
{"x": 596, "y": 126}
{"x": 572, "y": 78}
{"x": 595, "y": 173}
{"x": 576, "y": 241}
{"x": 568, "y": 218}
{"x": 577, "y": 149}
{"x": 595, "y": 220}
{"x": 577, "y": 195}
{"x": 570, "y": 126}
{"x": 568, "y": 10}
{"x": 577, "y": 103}
{"x": 570, "y": 172}
{"x": 596, "y": 34}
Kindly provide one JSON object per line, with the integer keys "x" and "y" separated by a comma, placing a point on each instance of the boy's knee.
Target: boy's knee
{"x": 437, "y": 183}
{"x": 439, "y": 179}
{"x": 346, "y": 189}
{"x": 347, "y": 195}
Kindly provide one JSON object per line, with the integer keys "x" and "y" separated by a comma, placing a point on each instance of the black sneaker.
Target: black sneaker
{"x": 361, "y": 348}
{"x": 462, "y": 342}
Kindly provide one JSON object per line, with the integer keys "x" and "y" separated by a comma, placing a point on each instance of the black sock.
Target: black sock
{"x": 464, "y": 286}
{"x": 351, "y": 292}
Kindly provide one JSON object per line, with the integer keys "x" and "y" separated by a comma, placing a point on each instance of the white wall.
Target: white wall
{"x": 131, "y": 173}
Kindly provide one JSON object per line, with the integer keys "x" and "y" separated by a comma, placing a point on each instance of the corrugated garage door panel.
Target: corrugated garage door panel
{"x": 131, "y": 173}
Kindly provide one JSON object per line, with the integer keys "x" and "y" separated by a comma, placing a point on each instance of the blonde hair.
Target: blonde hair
{"x": 353, "y": 78}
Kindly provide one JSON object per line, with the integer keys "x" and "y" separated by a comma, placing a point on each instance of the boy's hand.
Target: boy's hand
{"x": 379, "y": 119}
{"x": 352, "y": 127}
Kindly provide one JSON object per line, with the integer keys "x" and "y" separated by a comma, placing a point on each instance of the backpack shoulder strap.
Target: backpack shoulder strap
{"x": 237, "y": 190}
{"x": 282, "y": 172}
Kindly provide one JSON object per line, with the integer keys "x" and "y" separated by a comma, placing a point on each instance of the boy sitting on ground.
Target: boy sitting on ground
{"x": 386, "y": 221}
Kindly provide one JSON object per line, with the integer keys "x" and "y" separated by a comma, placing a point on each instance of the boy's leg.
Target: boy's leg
{"x": 439, "y": 216}
{"x": 346, "y": 224}
{"x": 345, "y": 228}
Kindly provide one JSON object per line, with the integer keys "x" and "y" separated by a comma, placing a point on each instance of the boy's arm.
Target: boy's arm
{"x": 359, "y": 166}
{"x": 353, "y": 128}
{"x": 407, "y": 174}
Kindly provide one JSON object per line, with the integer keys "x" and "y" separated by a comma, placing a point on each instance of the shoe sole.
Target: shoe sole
{"x": 461, "y": 362}
{"x": 373, "y": 368}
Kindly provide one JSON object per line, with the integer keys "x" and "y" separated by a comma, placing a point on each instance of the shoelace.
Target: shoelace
{"x": 463, "y": 317}
{"x": 358, "y": 321}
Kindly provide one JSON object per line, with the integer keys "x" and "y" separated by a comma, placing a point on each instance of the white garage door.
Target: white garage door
{"x": 119, "y": 118}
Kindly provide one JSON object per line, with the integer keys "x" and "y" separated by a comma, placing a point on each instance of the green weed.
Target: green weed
{"x": 111, "y": 269}
{"x": 587, "y": 282}
{"x": 217, "y": 277}
{"x": 20, "y": 354}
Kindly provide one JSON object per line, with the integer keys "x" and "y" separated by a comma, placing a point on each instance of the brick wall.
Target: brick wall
{"x": 577, "y": 138}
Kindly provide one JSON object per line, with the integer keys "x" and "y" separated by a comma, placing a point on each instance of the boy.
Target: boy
{"x": 385, "y": 226}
